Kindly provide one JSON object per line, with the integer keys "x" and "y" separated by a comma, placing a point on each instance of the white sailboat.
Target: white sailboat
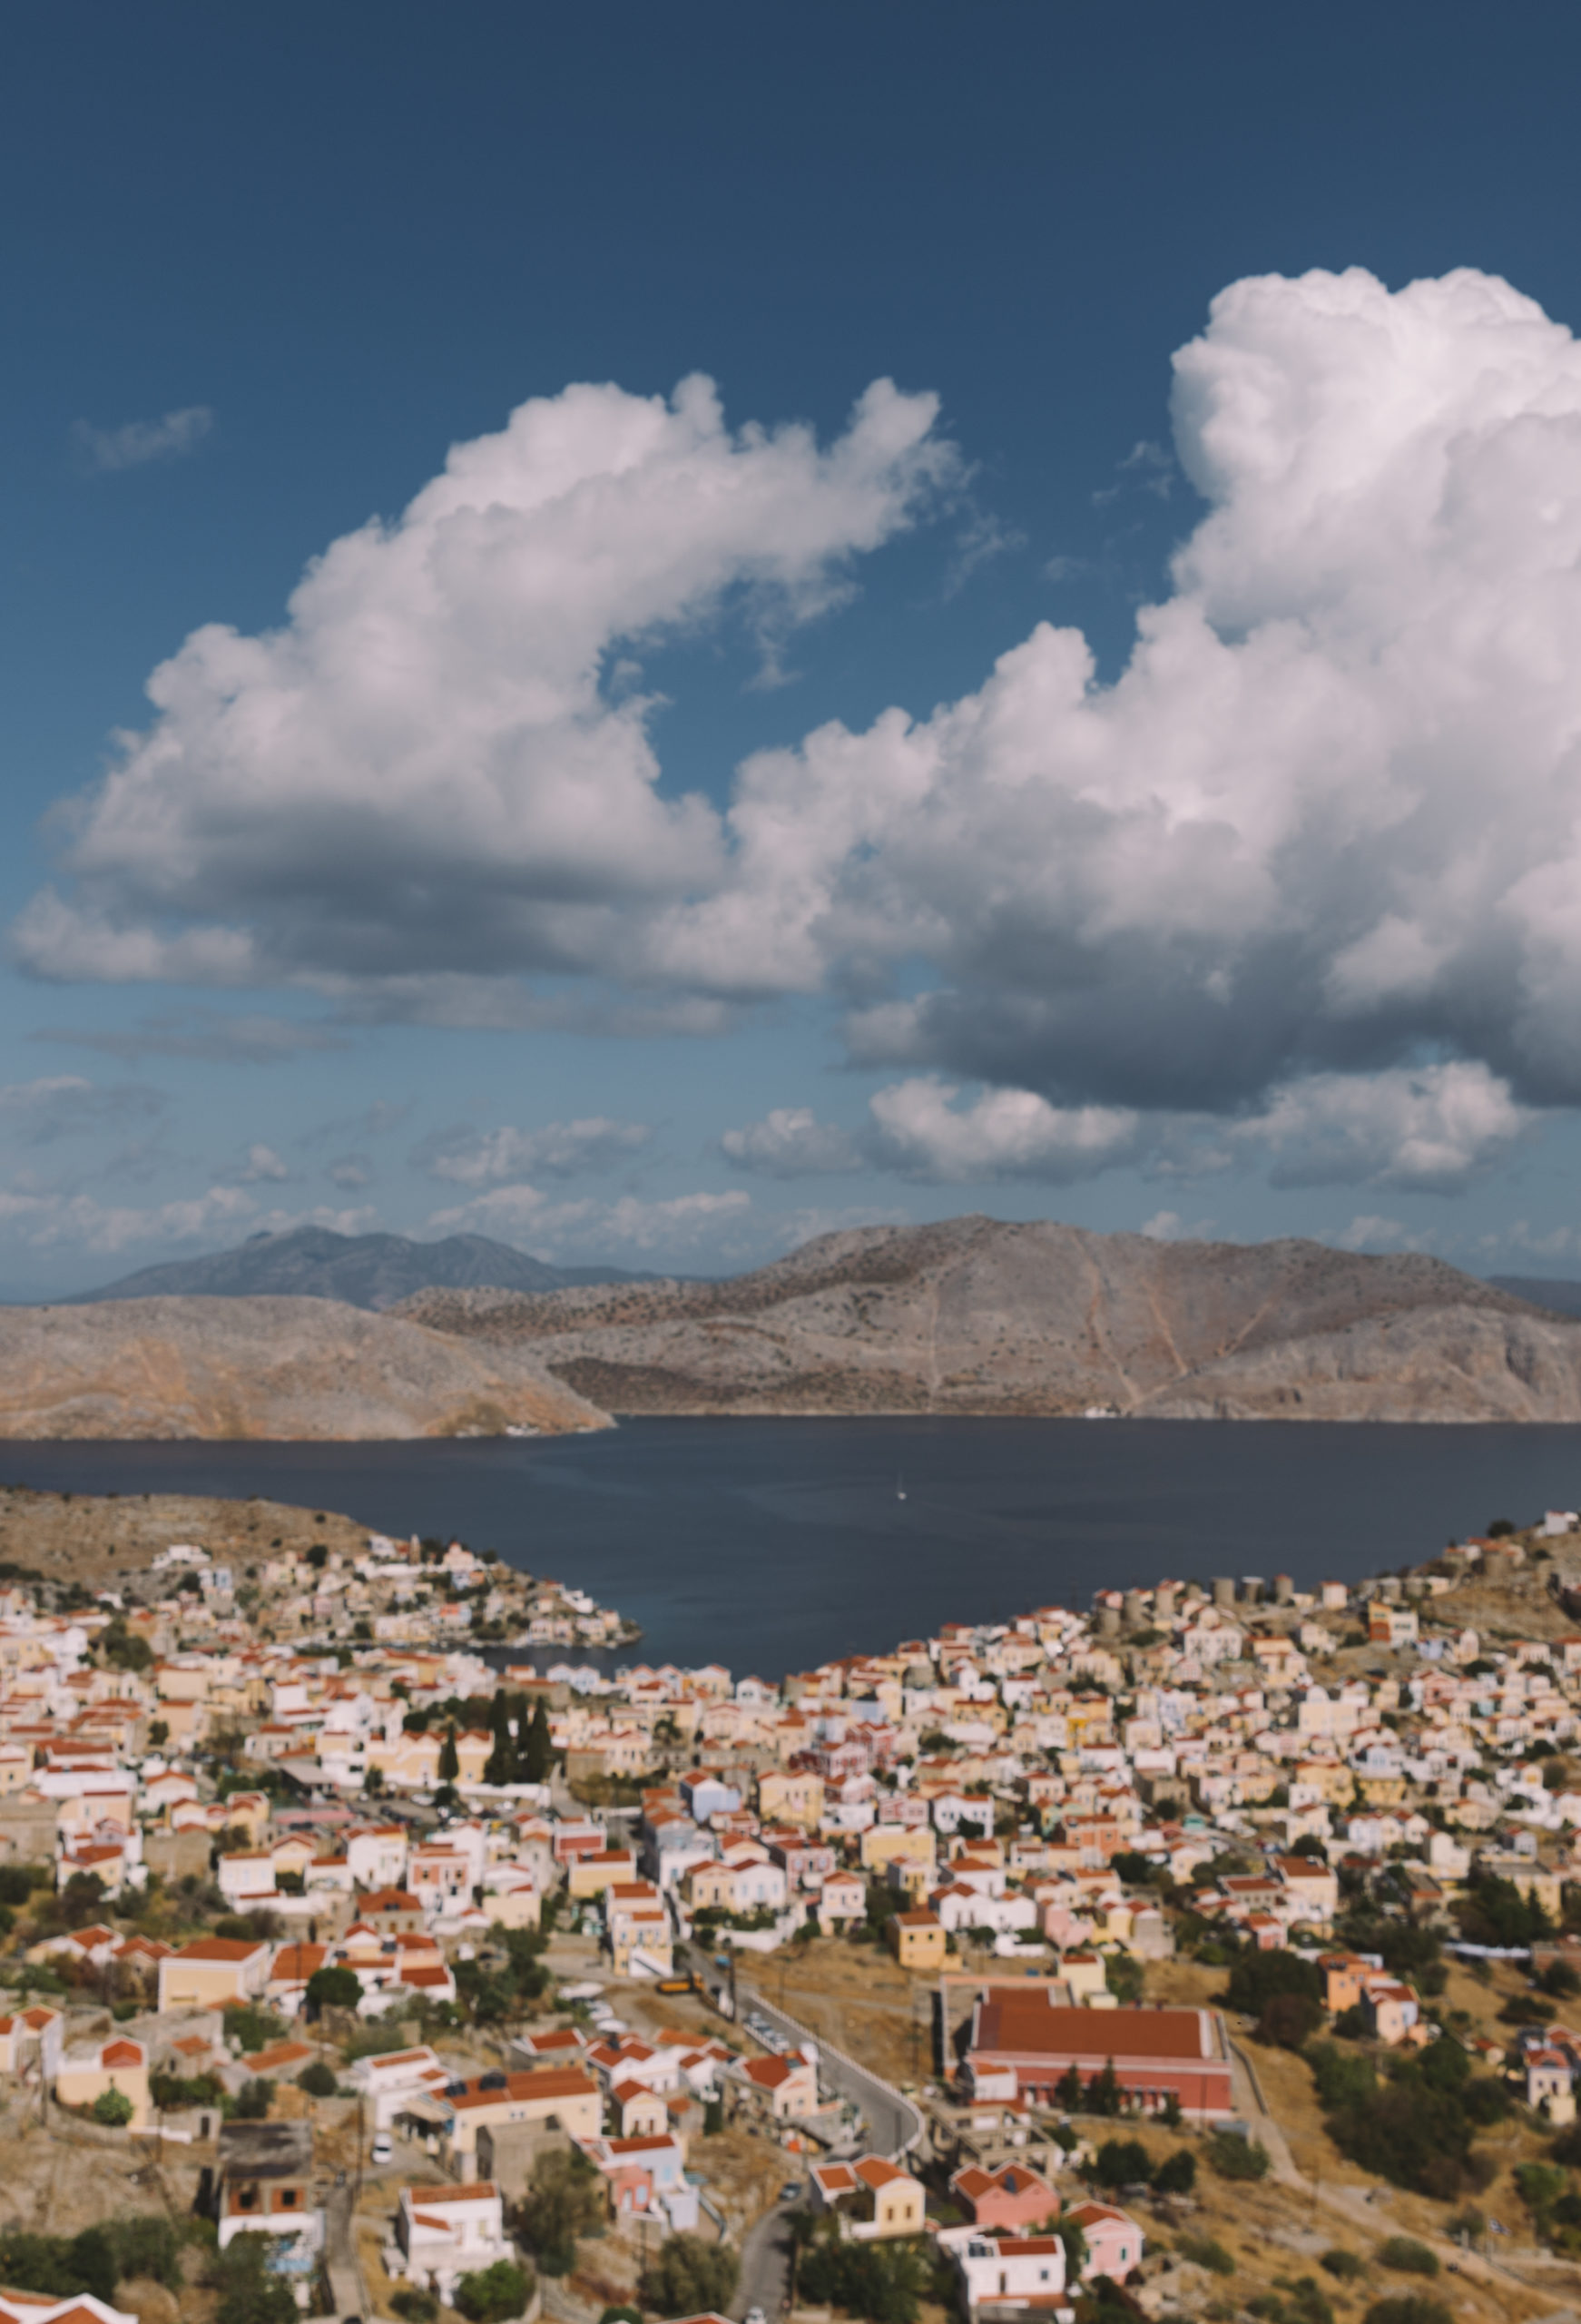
{"x": 899, "y": 1486}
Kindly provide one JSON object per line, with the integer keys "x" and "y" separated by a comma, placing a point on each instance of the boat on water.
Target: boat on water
{"x": 899, "y": 1487}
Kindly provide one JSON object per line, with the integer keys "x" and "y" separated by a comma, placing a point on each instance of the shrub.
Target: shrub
{"x": 490, "y": 2295}
{"x": 690, "y": 2276}
{"x": 1237, "y": 2158}
{"x": 1304, "y": 2305}
{"x": 1204, "y": 2252}
{"x": 114, "y": 2106}
{"x": 317, "y": 2079}
{"x": 252, "y": 2100}
{"x": 414, "y": 2306}
{"x": 1119, "y": 2162}
{"x": 1409, "y": 2307}
{"x": 1177, "y": 2174}
{"x": 1346, "y": 2266}
{"x": 1409, "y": 2257}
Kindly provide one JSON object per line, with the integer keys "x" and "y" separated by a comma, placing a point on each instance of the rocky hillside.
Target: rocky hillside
{"x": 975, "y": 1316}
{"x": 264, "y": 1367}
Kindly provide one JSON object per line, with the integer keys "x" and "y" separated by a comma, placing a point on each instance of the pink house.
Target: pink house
{"x": 1113, "y": 2239}
{"x": 1011, "y": 2197}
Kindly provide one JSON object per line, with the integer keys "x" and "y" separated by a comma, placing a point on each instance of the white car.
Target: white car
{"x": 383, "y": 2148}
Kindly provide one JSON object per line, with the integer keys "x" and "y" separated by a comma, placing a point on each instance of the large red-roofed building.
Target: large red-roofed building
{"x": 1156, "y": 2054}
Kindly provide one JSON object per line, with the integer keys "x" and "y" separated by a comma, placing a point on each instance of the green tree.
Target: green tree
{"x": 1257, "y": 1977}
{"x": 333, "y": 1989}
{"x": 501, "y": 1765}
{"x": 113, "y": 2106}
{"x": 1289, "y": 2020}
{"x": 690, "y": 2276}
{"x": 564, "y": 2201}
{"x": 1102, "y": 2095}
{"x": 123, "y": 1650}
{"x": 249, "y": 2293}
{"x": 886, "y": 2282}
{"x": 146, "y": 2244}
{"x": 1119, "y": 2163}
{"x": 490, "y": 2295}
{"x": 252, "y": 2101}
{"x": 1177, "y": 2174}
{"x": 449, "y": 1758}
{"x": 93, "y": 2261}
{"x": 537, "y": 1750}
{"x": 317, "y": 2079}
{"x": 1070, "y": 2233}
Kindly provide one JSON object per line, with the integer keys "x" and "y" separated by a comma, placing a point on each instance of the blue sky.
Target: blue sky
{"x": 696, "y": 823}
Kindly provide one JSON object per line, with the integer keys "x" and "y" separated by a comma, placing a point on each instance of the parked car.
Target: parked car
{"x": 383, "y": 2148}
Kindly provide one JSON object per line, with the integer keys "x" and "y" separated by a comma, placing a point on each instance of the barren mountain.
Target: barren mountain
{"x": 363, "y": 1270}
{"x": 264, "y": 1367}
{"x": 976, "y": 1317}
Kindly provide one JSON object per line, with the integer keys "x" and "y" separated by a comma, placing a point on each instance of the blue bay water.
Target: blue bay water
{"x": 772, "y": 1544}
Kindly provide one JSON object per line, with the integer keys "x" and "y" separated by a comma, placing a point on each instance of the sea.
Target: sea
{"x": 771, "y": 1545}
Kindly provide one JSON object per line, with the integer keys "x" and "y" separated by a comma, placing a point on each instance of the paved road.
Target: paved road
{"x": 893, "y": 2122}
{"x": 340, "y": 2257}
{"x": 765, "y": 2266}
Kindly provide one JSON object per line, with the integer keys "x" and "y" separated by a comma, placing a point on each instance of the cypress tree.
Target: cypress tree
{"x": 538, "y": 1752}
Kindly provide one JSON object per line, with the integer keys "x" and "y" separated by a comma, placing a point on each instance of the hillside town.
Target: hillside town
{"x": 1215, "y": 1949}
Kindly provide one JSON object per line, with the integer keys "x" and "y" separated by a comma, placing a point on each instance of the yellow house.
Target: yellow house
{"x": 871, "y": 2198}
{"x": 212, "y": 1972}
{"x": 910, "y": 1876}
{"x": 886, "y": 1844}
{"x": 559, "y": 2097}
{"x": 785, "y": 1797}
{"x": 917, "y": 1940}
{"x": 411, "y": 1762}
{"x": 590, "y": 1876}
{"x": 120, "y": 2064}
{"x": 1083, "y": 1972}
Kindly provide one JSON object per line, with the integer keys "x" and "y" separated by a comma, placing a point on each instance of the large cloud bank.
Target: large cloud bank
{"x": 1321, "y": 839}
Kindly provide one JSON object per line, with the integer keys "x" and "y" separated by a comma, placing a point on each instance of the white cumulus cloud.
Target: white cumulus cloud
{"x": 559, "y": 1150}
{"x": 1004, "y": 1134}
{"x": 425, "y": 769}
{"x": 1325, "y": 823}
{"x": 1431, "y": 1129}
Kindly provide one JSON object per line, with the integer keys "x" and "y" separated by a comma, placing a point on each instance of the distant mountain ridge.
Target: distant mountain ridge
{"x": 374, "y": 1271}
{"x": 1560, "y": 1297}
{"x": 976, "y": 1315}
{"x": 967, "y": 1315}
